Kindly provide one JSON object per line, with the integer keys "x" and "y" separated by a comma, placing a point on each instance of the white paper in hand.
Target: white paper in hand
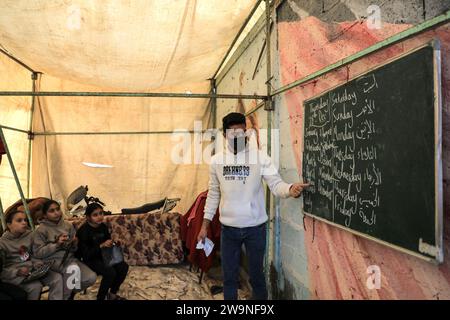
{"x": 207, "y": 246}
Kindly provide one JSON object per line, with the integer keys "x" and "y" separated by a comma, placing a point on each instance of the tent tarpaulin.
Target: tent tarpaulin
{"x": 164, "y": 46}
{"x": 14, "y": 112}
{"x": 142, "y": 167}
{"x": 139, "y": 45}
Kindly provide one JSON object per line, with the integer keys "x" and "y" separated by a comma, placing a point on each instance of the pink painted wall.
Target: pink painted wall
{"x": 336, "y": 259}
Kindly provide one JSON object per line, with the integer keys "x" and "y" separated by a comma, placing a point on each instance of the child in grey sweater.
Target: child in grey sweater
{"x": 16, "y": 242}
{"x": 54, "y": 239}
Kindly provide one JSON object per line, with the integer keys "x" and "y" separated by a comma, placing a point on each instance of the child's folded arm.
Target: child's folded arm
{"x": 41, "y": 248}
{"x": 35, "y": 261}
{"x": 72, "y": 235}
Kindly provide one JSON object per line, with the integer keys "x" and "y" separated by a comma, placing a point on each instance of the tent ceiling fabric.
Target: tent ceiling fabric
{"x": 139, "y": 45}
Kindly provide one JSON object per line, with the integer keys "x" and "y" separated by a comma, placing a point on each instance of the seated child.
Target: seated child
{"x": 9, "y": 291}
{"x": 54, "y": 240}
{"x": 16, "y": 242}
{"x": 93, "y": 235}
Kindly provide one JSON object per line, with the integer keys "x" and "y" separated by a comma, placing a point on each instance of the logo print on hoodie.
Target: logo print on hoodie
{"x": 23, "y": 252}
{"x": 239, "y": 173}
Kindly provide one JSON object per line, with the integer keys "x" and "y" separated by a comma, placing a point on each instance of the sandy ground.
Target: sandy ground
{"x": 166, "y": 283}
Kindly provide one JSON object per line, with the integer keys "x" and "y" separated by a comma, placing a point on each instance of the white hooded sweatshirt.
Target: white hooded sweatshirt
{"x": 235, "y": 183}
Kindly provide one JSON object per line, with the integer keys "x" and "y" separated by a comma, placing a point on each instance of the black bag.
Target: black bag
{"x": 112, "y": 256}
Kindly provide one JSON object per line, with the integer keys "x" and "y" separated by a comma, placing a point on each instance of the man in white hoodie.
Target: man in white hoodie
{"x": 235, "y": 183}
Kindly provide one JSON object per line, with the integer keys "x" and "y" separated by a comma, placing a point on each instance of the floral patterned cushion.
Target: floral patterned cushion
{"x": 146, "y": 238}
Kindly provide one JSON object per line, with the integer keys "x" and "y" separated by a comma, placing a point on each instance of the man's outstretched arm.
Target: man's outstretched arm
{"x": 278, "y": 187}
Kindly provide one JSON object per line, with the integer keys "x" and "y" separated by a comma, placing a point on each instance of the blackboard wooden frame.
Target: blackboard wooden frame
{"x": 435, "y": 44}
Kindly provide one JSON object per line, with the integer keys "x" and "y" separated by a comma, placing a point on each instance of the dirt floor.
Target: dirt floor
{"x": 166, "y": 283}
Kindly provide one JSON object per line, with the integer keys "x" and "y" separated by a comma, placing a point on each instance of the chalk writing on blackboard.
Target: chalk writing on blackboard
{"x": 372, "y": 151}
{"x": 341, "y": 161}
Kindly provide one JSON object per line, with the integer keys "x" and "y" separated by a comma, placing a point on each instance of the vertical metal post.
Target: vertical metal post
{"x": 213, "y": 106}
{"x": 269, "y": 108}
{"x": 269, "y": 105}
{"x": 268, "y": 197}
{"x": 2, "y": 216}
{"x": 16, "y": 178}
{"x": 214, "y": 103}
{"x": 34, "y": 76}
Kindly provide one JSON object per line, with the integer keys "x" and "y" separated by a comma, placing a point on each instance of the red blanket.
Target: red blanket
{"x": 191, "y": 223}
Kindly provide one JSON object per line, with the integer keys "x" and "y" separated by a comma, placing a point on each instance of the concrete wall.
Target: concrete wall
{"x": 332, "y": 11}
{"x": 323, "y": 262}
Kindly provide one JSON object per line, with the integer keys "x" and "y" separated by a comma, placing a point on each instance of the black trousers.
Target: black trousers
{"x": 11, "y": 292}
{"x": 112, "y": 277}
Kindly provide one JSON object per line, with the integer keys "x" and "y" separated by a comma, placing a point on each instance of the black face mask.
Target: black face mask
{"x": 238, "y": 144}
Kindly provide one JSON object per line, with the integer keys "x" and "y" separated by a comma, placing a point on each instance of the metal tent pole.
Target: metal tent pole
{"x": 17, "y": 61}
{"x": 13, "y": 129}
{"x": 82, "y": 133}
{"x": 131, "y": 94}
{"x": 236, "y": 38}
{"x": 269, "y": 105}
{"x": 258, "y": 106}
{"x": 214, "y": 103}
{"x": 30, "y": 134}
{"x": 269, "y": 108}
{"x": 16, "y": 178}
{"x": 2, "y": 216}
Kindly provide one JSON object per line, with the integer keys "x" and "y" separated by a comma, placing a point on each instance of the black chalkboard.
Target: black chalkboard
{"x": 371, "y": 151}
